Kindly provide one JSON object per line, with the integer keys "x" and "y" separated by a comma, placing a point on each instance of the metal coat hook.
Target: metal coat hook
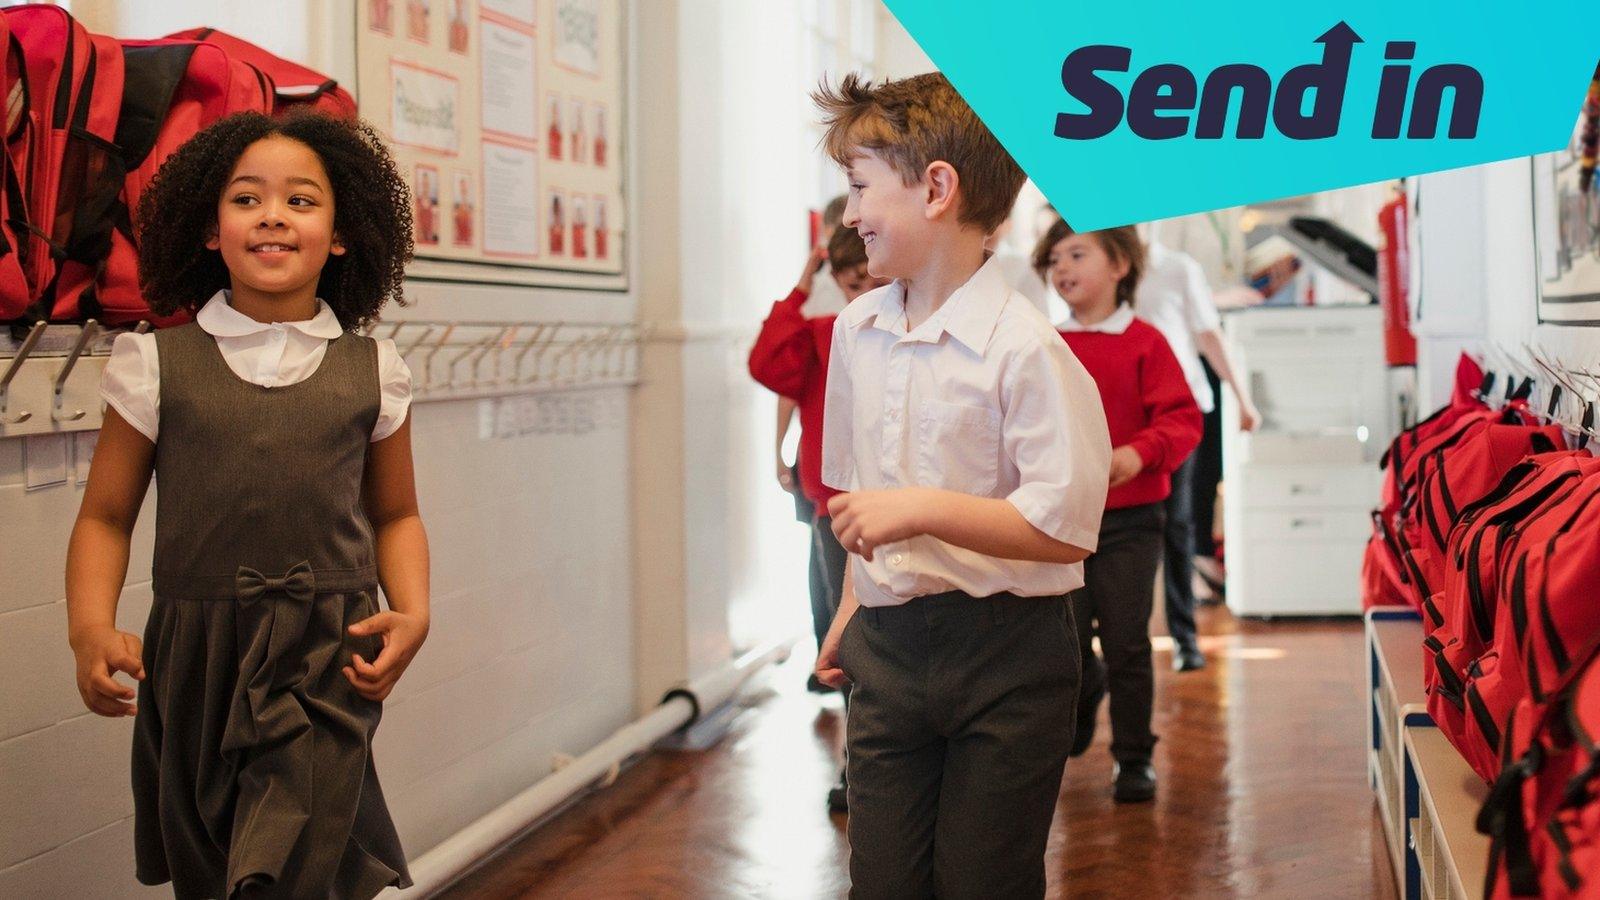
{"x": 611, "y": 351}
{"x": 427, "y": 361}
{"x": 411, "y": 348}
{"x": 527, "y": 347}
{"x": 538, "y": 356}
{"x": 498, "y": 340}
{"x": 508, "y": 336}
{"x": 591, "y": 346}
{"x": 28, "y": 343}
{"x": 568, "y": 352}
{"x": 56, "y": 412}
{"x": 450, "y": 370}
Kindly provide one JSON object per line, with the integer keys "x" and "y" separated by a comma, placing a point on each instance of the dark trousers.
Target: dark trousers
{"x": 959, "y": 727}
{"x": 828, "y": 559}
{"x": 1114, "y": 602}
{"x": 1208, "y": 471}
{"x": 1179, "y": 556}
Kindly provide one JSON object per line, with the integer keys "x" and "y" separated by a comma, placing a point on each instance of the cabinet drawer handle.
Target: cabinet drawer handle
{"x": 1304, "y": 523}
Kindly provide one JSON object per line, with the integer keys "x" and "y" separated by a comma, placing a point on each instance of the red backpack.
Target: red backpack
{"x": 175, "y": 88}
{"x": 1542, "y": 814}
{"x": 1557, "y": 608}
{"x": 69, "y": 90}
{"x": 294, "y": 86}
{"x": 1386, "y": 579}
{"x": 15, "y": 231}
{"x": 1465, "y": 631}
{"x": 1497, "y": 680}
{"x": 1457, "y": 477}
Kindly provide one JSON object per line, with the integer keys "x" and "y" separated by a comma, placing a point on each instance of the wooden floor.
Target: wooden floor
{"x": 1263, "y": 794}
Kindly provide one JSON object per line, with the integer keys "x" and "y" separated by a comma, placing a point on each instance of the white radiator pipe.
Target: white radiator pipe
{"x": 681, "y": 707}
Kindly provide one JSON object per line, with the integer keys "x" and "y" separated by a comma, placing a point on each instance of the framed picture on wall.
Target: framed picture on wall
{"x": 1566, "y": 223}
{"x": 510, "y": 117}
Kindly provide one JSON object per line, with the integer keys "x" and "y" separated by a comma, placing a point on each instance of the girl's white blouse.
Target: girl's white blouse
{"x": 269, "y": 354}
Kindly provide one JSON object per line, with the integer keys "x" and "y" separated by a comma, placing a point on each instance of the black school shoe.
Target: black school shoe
{"x": 1188, "y": 659}
{"x": 1136, "y": 783}
{"x": 838, "y": 795}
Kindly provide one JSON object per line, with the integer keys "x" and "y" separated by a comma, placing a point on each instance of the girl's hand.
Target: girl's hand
{"x": 402, "y": 638}
{"x": 100, "y": 654}
{"x": 1125, "y": 464}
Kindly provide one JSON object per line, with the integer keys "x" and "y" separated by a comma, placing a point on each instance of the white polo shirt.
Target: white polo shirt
{"x": 1174, "y": 297}
{"x": 982, "y": 398}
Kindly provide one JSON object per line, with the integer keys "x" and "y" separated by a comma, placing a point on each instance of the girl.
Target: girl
{"x": 1154, "y": 425}
{"x": 283, "y": 450}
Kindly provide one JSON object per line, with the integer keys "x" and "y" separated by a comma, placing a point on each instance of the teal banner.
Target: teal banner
{"x": 1127, "y": 112}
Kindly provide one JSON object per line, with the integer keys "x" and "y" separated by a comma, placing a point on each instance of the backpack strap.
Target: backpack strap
{"x": 153, "y": 74}
{"x": 1501, "y": 817}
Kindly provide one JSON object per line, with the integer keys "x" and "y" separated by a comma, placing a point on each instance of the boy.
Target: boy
{"x": 790, "y": 357}
{"x": 976, "y": 458}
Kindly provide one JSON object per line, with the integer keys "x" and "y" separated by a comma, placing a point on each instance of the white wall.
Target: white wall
{"x": 1479, "y": 278}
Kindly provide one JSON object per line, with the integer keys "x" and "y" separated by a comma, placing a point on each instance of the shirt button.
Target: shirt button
{"x": 896, "y": 559}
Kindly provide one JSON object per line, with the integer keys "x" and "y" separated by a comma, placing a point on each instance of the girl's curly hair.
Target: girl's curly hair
{"x": 372, "y": 215}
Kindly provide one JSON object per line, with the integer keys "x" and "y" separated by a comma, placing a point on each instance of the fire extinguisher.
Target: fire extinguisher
{"x": 1394, "y": 268}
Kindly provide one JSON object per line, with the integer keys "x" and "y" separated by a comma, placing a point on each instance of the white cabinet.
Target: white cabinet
{"x": 1300, "y": 487}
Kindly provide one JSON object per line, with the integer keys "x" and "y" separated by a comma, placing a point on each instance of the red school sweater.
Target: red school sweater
{"x": 1148, "y": 405}
{"x": 791, "y": 358}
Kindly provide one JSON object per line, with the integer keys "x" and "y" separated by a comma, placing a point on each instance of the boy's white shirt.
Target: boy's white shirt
{"x": 983, "y": 398}
{"x": 1174, "y": 297}
{"x": 268, "y": 354}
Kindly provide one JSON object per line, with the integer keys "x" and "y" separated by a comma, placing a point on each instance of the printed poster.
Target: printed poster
{"x": 506, "y": 118}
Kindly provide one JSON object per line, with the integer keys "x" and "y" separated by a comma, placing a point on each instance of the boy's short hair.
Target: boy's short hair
{"x": 846, "y": 250}
{"x": 915, "y": 121}
{"x": 1121, "y": 244}
{"x": 833, "y": 213}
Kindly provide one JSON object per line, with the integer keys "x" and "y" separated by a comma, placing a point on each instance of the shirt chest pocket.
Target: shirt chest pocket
{"x": 958, "y": 447}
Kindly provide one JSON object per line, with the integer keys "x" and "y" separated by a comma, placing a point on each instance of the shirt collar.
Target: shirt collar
{"x": 219, "y": 319}
{"x": 1116, "y": 323}
{"x": 969, "y": 315}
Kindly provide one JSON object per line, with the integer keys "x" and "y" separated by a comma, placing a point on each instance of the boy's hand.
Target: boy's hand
{"x": 863, "y": 520}
{"x": 827, "y": 670}
{"x": 402, "y": 638}
{"x": 785, "y": 476}
{"x": 1249, "y": 417}
{"x": 101, "y": 654}
{"x": 1125, "y": 464}
{"x": 814, "y": 261}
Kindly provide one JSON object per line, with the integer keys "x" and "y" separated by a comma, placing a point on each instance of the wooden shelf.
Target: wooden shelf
{"x": 1452, "y": 857}
{"x": 1398, "y": 701}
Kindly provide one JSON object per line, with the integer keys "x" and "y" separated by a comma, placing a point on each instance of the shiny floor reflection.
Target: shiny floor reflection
{"x": 1263, "y": 794}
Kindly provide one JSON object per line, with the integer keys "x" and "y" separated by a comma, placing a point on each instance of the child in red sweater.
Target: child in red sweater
{"x": 1154, "y": 425}
{"x": 791, "y": 358}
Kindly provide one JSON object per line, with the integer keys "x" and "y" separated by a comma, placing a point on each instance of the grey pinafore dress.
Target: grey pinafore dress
{"x": 252, "y": 762}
